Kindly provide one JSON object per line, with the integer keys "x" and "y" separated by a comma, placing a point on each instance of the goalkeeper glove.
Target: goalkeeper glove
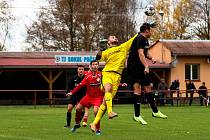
{"x": 103, "y": 44}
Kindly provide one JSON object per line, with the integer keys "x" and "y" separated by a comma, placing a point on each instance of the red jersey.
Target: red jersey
{"x": 87, "y": 72}
{"x": 92, "y": 84}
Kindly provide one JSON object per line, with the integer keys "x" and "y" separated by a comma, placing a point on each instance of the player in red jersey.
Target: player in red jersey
{"x": 94, "y": 94}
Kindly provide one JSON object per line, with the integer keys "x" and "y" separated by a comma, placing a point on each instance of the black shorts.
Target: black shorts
{"x": 139, "y": 77}
{"x": 74, "y": 99}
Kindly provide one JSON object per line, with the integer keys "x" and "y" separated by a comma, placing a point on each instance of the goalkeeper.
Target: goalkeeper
{"x": 115, "y": 56}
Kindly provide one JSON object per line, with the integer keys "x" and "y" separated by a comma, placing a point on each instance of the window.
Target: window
{"x": 192, "y": 71}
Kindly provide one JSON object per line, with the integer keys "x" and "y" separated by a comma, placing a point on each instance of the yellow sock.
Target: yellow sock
{"x": 100, "y": 113}
{"x": 108, "y": 99}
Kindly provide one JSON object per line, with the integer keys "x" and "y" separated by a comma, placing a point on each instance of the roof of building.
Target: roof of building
{"x": 39, "y": 55}
{"x": 187, "y": 47}
{"x": 52, "y": 60}
{"x": 40, "y": 59}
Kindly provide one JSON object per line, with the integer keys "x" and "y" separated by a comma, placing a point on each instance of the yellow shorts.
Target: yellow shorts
{"x": 112, "y": 78}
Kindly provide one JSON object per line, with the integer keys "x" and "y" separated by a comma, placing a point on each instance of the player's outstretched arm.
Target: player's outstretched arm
{"x": 79, "y": 86}
{"x": 101, "y": 55}
{"x": 128, "y": 43}
{"x": 68, "y": 94}
{"x": 103, "y": 46}
{"x": 98, "y": 55}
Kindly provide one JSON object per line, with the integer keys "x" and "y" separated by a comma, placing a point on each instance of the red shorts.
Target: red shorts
{"x": 88, "y": 101}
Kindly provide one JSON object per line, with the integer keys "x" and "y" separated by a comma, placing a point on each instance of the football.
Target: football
{"x": 149, "y": 10}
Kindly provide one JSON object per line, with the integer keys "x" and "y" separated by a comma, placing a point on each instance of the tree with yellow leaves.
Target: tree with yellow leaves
{"x": 176, "y": 20}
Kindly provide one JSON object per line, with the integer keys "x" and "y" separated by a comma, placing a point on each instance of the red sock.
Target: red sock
{"x": 85, "y": 118}
{"x": 78, "y": 117}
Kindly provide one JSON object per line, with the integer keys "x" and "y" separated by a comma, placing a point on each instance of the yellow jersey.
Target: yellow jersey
{"x": 115, "y": 57}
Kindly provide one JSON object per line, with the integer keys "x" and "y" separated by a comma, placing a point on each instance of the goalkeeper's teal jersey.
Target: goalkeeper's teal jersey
{"x": 115, "y": 57}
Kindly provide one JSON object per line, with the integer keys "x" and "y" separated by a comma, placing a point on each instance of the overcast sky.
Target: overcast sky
{"x": 25, "y": 12}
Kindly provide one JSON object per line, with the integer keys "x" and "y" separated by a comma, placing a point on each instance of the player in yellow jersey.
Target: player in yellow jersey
{"x": 115, "y": 57}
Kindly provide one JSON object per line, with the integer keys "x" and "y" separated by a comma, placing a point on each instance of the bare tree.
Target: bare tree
{"x": 78, "y": 25}
{"x": 55, "y": 29}
{"x": 183, "y": 18}
{"x": 201, "y": 28}
{"x": 5, "y": 21}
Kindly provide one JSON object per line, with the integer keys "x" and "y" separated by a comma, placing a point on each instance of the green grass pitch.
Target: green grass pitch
{"x": 44, "y": 123}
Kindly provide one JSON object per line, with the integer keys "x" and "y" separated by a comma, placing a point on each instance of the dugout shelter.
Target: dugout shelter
{"x": 23, "y": 72}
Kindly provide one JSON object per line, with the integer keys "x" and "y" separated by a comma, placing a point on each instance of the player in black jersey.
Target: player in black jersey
{"x": 138, "y": 72}
{"x": 74, "y": 99}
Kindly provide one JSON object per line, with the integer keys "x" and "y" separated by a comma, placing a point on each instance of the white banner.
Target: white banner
{"x": 74, "y": 58}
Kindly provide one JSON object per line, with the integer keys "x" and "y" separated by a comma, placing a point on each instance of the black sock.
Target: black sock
{"x": 136, "y": 103}
{"x": 68, "y": 118}
{"x": 151, "y": 101}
